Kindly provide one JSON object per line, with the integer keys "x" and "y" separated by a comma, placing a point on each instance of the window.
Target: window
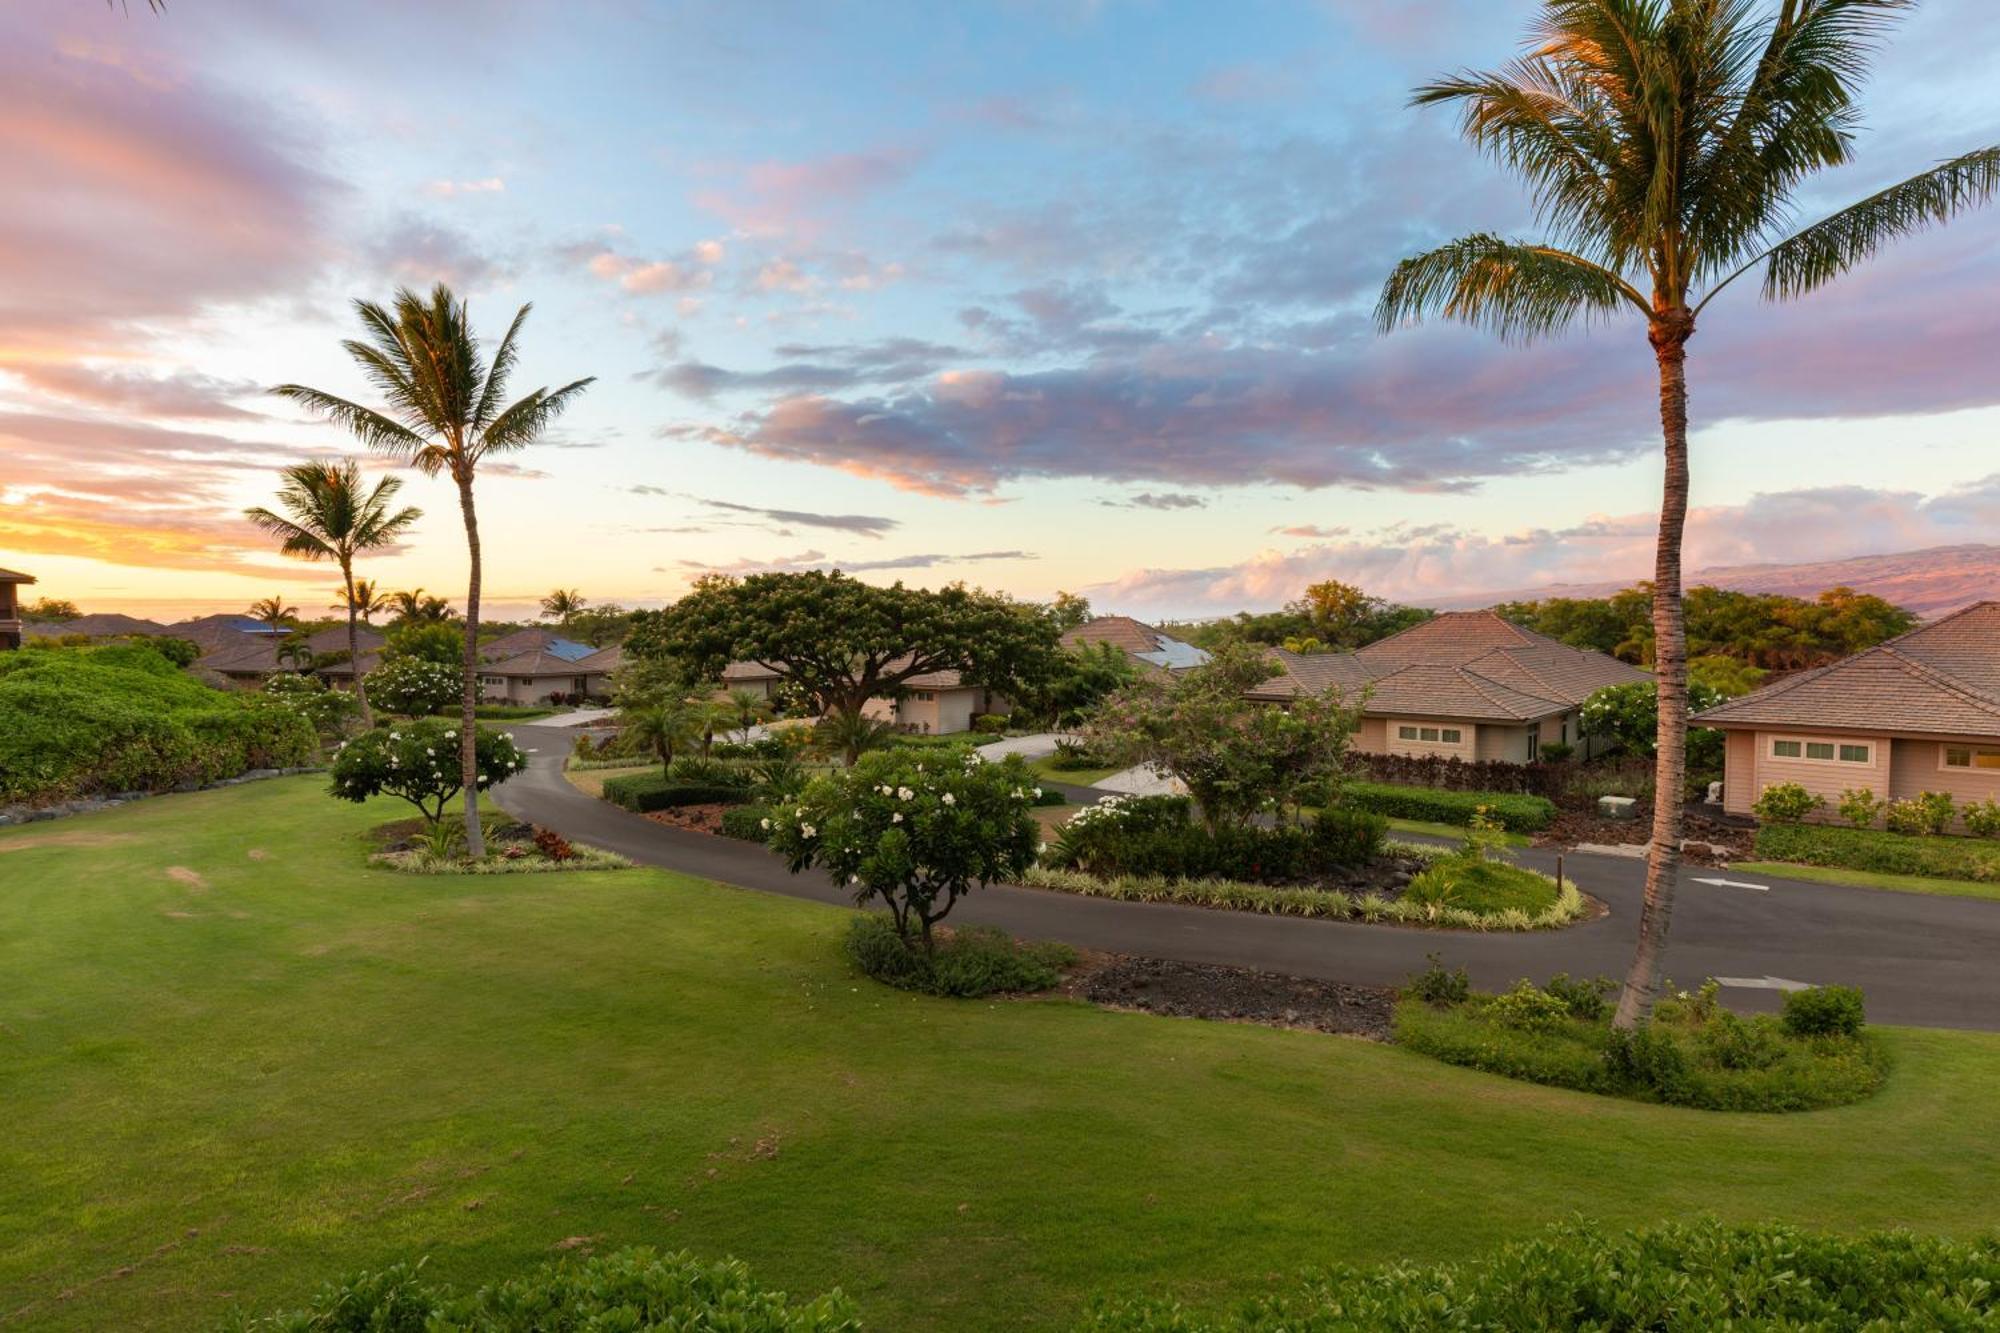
{"x": 1972, "y": 756}
{"x": 1819, "y": 749}
{"x": 1428, "y": 733}
{"x": 1534, "y": 745}
{"x": 925, "y": 696}
{"x": 1785, "y": 749}
{"x": 1853, "y": 754}
{"x": 1824, "y": 752}
{"x": 492, "y": 680}
{"x": 1406, "y": 733}
{"x": 1449, "y": 735}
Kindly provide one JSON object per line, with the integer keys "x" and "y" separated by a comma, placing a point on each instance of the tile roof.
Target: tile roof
{"x": 1941, "y": 678}
{"x": 259, "y": 655}
{"x": 530, "y": 640}
{"x": 15, "y": 576}
{"x": 534, "y": 664}
{"x": 1473, "y": 665}
{"x": 1139, "y": 639}
{"x": 99, "y": 625}
{"x": 602, "y": 662}
{"x": 748, "y": 671}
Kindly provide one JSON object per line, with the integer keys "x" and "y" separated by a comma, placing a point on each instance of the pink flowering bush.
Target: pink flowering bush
{"x": 418, "y": 761}
{"x": 917, "y": 829}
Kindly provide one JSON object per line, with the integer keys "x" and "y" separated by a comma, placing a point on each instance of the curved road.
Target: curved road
{"x": 1924, "y": 960}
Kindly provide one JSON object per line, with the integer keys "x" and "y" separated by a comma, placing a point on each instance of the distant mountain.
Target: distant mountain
{"x": 1930, "y": 582}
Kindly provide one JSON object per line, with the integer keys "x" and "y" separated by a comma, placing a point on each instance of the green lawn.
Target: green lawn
{"x": 1872, "y": 879}
{"x": 235, "y": 1060}
{"x": 1456, "y": 832}
{"x": 1075, "y": 777}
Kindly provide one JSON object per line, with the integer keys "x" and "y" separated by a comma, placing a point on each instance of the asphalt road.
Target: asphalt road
{"x": 1923, "y": 960}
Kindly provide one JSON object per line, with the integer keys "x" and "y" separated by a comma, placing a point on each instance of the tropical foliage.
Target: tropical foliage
{"x": 417, "y": 760}
{"x": 1767, "y": 631}
{"x": 414, "y": 686}
{"x": 445, "y": 412}
{"x": 1665, "y": 144}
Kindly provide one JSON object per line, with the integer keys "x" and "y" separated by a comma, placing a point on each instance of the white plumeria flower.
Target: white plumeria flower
{"x": 764, "y": 824}
{"x": 905, "y": 794}
{"x": 949, "y": 799}
{"x": 808, "y": 830}
{"x": 1038, "y": 793}
{"x": 896, "y": 818}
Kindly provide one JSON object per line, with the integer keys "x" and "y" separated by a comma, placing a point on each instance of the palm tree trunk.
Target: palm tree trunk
{"x": 468, "y": 722}
{"x": 354, "y": 645}
{"x": 1663, "y": 859}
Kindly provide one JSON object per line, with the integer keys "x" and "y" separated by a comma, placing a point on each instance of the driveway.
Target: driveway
{"x": 1922, "y": 960}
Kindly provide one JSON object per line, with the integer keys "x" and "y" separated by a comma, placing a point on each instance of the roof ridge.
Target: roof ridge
{"x": 1945, "y": 680}
{"x": 1479, "y": 681}
{"x": 1939, "y": 623}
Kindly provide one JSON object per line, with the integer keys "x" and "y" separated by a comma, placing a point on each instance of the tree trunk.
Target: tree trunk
{"x": 468, "y": 722}
{"x": 354, "y": 645}
{"x": 1669, "y": 335}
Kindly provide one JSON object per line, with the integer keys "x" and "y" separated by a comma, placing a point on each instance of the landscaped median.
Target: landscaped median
{"x": 1336, "y": 865}
{"x": 1512, "y": 811}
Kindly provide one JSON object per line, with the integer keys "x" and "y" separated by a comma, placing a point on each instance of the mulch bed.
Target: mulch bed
{"x": 1239, "y": 994}
{"x": 695, "y": 818}
{"x": 1572, "y": 827}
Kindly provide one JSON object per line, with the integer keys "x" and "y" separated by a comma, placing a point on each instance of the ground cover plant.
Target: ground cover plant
{"x": 214, "y": 1082}
{"x": 420, "y": 847}
{"x": 122, "y": 717}
{"x": 1516, "y": 813}
{"x": 1673, "y": 1278}
{"x": 1881, "y": 851}
{"x": 963, "y": 963}
{"x": 1692, "y": 1053}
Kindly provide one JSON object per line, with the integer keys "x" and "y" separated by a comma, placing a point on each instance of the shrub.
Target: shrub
{"x": 419, "y": 762}
{"x": 1049, "y": 796}
{"x": 1485, "y": 887}
{"x": 643, "y": 793}
{"x": 990, "y": 724}
{"x": 1926, "y": 813}
{"x": 1676, "y": 1276}
{"x": 1528, "y": 1007}
{"x": 327, "y": 711}
{"x": 916, "y": 829}
{"x": 1825, "y": 1011}
{"x": 1557, "y": 752}
{"x": 702, "y": 772}
{"x": 1860, "y": 807}
{"x": 1585, "y": 999}
{"x": 414, "y": 686}
{"x": 1786, "y": 803}
{"x": 751, "y": 823}
{"x": 626, "y": 1289}
{"x": 969, "y": 962}
{"x": 553, "y": 845}
{"x": 1435, "y": 985}
{"x": 1451, "y": 773}
{"x": 1880, "y": 852}
{"x": 426, "y": 640}
{"x": 1073, "y": 755}
{"x": 121, "y": 717}
{"x": 1982, "y": 818}
{"x": 1516, "y": 813}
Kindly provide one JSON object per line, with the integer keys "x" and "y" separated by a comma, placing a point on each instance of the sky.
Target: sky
{"x": 1032, "y": 294}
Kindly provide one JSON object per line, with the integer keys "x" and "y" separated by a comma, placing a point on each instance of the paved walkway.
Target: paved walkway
{"x": 1028, "y": 747}
{"x": 1921, "y": 959}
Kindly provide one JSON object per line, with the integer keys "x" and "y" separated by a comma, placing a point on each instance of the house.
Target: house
{"x": 755, "y": 677}
{"x": 936, "y": 703}
{"x": 10, "y": 607}
{"x": 1147, "y": 646}
{"x": 540, "y": 675}
{"x": 1464, "y": 684}
{"x": 1918, "y": 713}
{"x": 256, "y": 657}
{"x": 533, "y": 639}
{"x": 99, "y": 625}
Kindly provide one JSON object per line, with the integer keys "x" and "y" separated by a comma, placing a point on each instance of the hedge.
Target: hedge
{"x": 1880, "y": 851}
{"x": 122, "y": 717}
{"x": 1517, "y": 814}
{"x": 641, "y": 792}
{"x": 747, "y": 822}
{"x": 1676, "y": 1276}
{"x": 626, "y": 1289}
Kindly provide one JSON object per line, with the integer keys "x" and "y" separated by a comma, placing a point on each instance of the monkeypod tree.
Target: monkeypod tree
{"x": 841, "y": 642}
{"x": 419, "y": 762}
{"x": 916, "y": 829}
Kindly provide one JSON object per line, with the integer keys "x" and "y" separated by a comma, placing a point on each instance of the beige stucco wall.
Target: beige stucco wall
{"x": 1918, "y": 766}
{"x": 944, "y": 713}
{"x": 1507, "y": 744}
{"x": 1739, "y": 771}
{"x": 1393, "y": 743}
{"x": 1824, "y": 778}
{"x": 1372, "y": 738}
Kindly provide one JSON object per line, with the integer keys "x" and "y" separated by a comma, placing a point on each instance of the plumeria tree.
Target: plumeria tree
{"x": 916, "y": 830}
{"x": 413, "y": 686}
{"x": 418, "y": 761}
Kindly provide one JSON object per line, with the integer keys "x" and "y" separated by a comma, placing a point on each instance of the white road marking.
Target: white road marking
{"x": 1763, "y": 983}
{"x": 1734, "y": 884}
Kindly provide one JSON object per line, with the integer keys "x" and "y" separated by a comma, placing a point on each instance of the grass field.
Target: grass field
{"x": 237, "y": 1061}
{"x": 590, "y": 781}
{"x": 1870, "y": 879}
{"x": 1075, "y": 777}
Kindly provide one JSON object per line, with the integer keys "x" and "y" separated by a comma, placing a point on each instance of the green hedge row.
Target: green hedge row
{"x": 1879, "y": 851}
{"x": 1679, "y": 1276}
{"x": 641, "y": 792}
{"x": 1518, "y": 814}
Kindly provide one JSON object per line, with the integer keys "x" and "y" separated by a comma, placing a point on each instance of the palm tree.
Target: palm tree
{"x": 563, "y": 604}
{"x": 365, "y": 600}
{"x": 1664, "y": 142}
{"x": 444, "y": 414}
{"x": 413, "y": 607}
{"x": 296, "y": 653}
{"x": 330, "y": 515}
{"x": 663, "y": 723}
{"x": 747, "y": 709}
{"x": 272, "y": 611}
{"x": 852, "y": 735}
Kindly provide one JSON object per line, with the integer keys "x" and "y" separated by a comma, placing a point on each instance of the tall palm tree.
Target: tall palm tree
{"x": 563, "y": 604}
{"x": 365, "y": 599}
{"x": 330, "y": 515}
{"x": 1664, "y": 142}
{"x": 747, "y": 709}
{"x": 413, "y": 607}
{"x": 444, "y": 414}
{"x": 663, "y": 723}
{"x": 272, "y": 611}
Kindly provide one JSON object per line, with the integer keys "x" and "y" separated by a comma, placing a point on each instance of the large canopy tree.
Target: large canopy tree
{"x": 841, "y": 642}
{"x": 446, "y": 412}
{"x": 1664, "y": 143}
{"x": 330, "y": 515}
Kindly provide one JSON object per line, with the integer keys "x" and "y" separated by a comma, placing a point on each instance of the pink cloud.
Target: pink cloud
{"x": 797, "y": 198}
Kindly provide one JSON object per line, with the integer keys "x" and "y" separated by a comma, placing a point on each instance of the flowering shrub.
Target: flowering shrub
{"x": 1982, "y": 818}
{"x": 414, "y": 686}
{"x": 1786, "y": 803}
{"x": 1926, "y": 814}
{"x": 329, "y": 711}
{"x": 419, "y": 762}
{"x": 1153, "y": 835}
{"x": 1861, "y": 807}
{"x": 916, "y": 829}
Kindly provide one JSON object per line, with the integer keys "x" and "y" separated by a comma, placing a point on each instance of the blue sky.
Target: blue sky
{"x": 1035, "y": 295}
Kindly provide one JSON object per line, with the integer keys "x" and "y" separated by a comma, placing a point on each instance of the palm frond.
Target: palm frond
{"x": 292, "y": 538}
{"x": 523, "y": 422}
{"x": 1822, "y": 252}
{"x": 498, "y": 372}
{"x": 364, "y": 423}
{"x": 1512, "y": 289}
